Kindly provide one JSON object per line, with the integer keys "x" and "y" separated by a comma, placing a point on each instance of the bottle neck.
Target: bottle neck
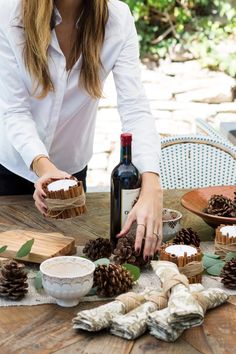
{"x": 125, "y": 154}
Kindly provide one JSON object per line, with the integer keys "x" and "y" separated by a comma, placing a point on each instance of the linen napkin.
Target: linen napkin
{"x": 101, "y": 316}
{"x": 134, "y": 323}
{"x": 160, "y": 325}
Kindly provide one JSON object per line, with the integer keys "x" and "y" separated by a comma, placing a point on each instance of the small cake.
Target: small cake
{"x": 65, "y": 198}
{"x": 187, "y": 258}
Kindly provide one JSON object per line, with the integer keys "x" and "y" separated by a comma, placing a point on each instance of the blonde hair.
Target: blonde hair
{"x": 37, "y": 20}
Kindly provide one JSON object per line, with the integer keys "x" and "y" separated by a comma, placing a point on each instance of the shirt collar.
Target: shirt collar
{"x": 57, "y": 19}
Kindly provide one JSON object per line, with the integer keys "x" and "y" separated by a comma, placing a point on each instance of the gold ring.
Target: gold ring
{"x": 157, "y": 235}
{"x": 142, "y": 225}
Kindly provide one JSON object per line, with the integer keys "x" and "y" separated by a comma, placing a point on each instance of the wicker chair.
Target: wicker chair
{"x": 197, "y": 161}
{"x": 204, "y": 128}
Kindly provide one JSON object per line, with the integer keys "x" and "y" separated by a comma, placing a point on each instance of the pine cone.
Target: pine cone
{"x": 125, "y": 251}
{"x": 228, "y": 274}
{"x": 13, "y": 280}
{"x": 187, "y": 237}
{"x": 221, "y": 206}
{"x": 112, "y": 280}
{"x": 99, "y": 248}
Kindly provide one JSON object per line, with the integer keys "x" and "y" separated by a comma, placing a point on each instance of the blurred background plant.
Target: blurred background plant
{"x": 202, "y": 29}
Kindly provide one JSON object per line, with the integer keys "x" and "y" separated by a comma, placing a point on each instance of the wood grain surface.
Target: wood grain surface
{"x": 46, "y": 244}
{"x": 48, "y": 328}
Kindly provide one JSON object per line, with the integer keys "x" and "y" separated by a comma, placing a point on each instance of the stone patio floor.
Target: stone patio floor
{"x": 178, "y": 93}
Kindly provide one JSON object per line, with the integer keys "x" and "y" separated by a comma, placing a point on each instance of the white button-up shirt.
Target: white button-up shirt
{"x": 62, "y": 125}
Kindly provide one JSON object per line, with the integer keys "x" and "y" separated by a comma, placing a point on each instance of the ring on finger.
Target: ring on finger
{"x": 157, "y": 235}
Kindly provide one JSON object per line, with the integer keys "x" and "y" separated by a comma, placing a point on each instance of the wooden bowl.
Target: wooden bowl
{"x": 197, "y": 200}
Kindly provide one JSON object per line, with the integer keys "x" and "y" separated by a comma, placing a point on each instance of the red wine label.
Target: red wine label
{"x": 128, "y": 198}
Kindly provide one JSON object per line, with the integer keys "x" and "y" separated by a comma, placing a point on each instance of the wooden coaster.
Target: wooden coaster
{"x": 187, "y": 258}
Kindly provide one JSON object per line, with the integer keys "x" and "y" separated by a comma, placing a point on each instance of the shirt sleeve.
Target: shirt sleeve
{"x": 18, "y": 122}
{"x": 133, "y": 106}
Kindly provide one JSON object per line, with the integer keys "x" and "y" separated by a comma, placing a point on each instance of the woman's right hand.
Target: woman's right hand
{"x": 39, "y": 194}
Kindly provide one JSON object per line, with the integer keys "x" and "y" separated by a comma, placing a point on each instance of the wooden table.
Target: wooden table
{"x": 48, "y": 329}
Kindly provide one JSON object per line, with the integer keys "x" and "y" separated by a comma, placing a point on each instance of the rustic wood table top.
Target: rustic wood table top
{"x": 48, "y": 328}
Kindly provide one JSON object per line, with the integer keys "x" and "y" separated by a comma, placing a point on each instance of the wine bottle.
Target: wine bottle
{"x": 125, "y": 188}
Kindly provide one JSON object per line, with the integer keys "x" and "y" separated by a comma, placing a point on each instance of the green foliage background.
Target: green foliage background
{"x": 198, "y": 26}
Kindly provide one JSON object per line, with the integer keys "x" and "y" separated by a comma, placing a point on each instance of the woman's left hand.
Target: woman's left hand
{"x": 147, "y": 212}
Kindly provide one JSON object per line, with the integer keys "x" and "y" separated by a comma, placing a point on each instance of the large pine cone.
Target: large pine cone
{"x": 96, "y": 249}
{"x": 112, "y": 280}
{"x": 125, "y": 251}
{"x": 13, "y": 280}
{"x": 228, "y": 274}
{"x": 187, "y": 237}
{"x": 221, "y": 206}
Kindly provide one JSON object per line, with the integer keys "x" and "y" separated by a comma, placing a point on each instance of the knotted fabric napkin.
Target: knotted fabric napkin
{"x": 100, "y": 317}
{"x": 159, "y": 322}
{"x": 184, "y": 309}
{"x": 134, "y": 323}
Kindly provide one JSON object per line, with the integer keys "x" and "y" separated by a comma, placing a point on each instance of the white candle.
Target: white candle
{"x": 179, "y": 250}
{"x": 62, "y": 184}
{"x": 229, "y": 230}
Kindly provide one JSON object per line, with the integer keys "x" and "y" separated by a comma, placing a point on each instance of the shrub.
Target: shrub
{"x": 198, "y": 26}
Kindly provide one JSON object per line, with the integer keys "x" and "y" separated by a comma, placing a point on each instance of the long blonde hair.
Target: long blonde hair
{"x": 37, "y": 19}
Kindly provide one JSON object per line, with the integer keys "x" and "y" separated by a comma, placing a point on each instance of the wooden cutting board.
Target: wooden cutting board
{"x": 46, "y": 244}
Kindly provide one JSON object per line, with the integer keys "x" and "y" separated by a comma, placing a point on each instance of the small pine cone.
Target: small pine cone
{"x": 187, "y": 237}
{"x": 99, "y": 248}
{"x": 13, "y": 280}
{"x": 228, "y": 274}
{"x": 221, "y": 206}
{"x": 125, "y": 251}
{"x": 112, "y": 280}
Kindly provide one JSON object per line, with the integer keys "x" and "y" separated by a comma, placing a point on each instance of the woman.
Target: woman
{"x": 54, "y": 59}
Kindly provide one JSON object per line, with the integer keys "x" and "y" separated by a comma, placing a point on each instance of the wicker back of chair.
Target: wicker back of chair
{"x": 197, "y": 161}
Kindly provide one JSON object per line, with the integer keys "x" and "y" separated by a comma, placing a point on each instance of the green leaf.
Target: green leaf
{"x": 102, "y": 261}
{"x": 230, "y": 256}
{"x": 135, "y": 271}
{"x": 212, "y": 255}
{"x": 38, "y": 281}
{"x": 3, "y": 249}
{"x": 25, "y": 249}
{"x": 92, "y": 292}
{"x": 216, "y": 269}
{"x": 209, "y": 262}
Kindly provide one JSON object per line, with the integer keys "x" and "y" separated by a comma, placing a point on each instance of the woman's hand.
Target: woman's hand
{"x": 147, "y": 212}
{"x": 46, "y": 171}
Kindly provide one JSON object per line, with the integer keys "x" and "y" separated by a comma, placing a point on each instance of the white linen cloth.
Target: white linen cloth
{"x": 62, "y": 124}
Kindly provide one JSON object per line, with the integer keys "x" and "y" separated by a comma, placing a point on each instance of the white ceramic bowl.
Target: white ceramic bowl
{"x": 171, "y": 223}
{"x": 67, "y": 278}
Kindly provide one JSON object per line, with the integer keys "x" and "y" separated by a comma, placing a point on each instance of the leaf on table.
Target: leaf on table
{"x": 135, "y": 271}
{"x": 102, "y": 261}
{"x": 230, "y": 256}
{"x": 216, "y": 269}
{"x": 38, "y": 281}
{"x": 3, "y": 249}
{"x": 92, "y": 292}
{"x": 212, "y": 255}
{"x": 25, "y": 249}
{"x": 209, "y": 262}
